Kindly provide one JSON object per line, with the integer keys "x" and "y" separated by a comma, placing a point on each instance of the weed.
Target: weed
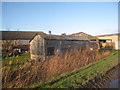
{"x": 35, "y": 71}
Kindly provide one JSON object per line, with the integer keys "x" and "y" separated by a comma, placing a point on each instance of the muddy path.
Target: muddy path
{"x": 110, "y": 80}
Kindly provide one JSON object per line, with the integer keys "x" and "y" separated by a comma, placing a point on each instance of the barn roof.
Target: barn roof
{"x": 108, "y": 35}
{"x": 62, "y": 37}
{"x": 19, "y": 35}
{"x": 84, "y": 35}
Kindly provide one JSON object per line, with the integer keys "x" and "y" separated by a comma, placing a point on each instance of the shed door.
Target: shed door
{"x": 50, "y": 51}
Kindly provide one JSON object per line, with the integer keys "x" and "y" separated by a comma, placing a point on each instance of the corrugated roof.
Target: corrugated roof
{"x": 19, "y": 35}
{"x": 108, "y": 35}
{"x": 63, "y": 37}
{"x": 84, "y": 35}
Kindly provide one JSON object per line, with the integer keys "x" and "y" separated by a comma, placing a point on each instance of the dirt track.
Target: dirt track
{"x": 110, "y": 80}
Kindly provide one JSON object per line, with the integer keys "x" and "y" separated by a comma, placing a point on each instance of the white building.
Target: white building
{"x": 114, "y": 37}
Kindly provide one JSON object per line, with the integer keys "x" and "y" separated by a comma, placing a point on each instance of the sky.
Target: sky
{"x": 95, "y": 18}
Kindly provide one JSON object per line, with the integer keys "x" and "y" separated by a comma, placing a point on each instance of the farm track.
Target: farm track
{"x": 102, "y": 81}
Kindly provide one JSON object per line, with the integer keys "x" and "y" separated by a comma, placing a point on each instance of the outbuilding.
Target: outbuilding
{"x": 46, "y": 45}
{"x": 115, "y": 39}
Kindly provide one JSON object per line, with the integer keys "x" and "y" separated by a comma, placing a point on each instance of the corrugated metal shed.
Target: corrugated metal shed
{"x": 46, "y": 45}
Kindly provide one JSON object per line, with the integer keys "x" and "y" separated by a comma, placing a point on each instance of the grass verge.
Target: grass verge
{"x": 82, "y": 76}
{"x": 15, "y": 61}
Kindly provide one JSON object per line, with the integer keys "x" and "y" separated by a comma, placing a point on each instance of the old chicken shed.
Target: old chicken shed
{"x": 46, "y": 45}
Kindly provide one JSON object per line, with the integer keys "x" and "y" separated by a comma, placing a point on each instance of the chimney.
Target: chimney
{"x": 63, "y": 34}
{"x": 50, "y": 32}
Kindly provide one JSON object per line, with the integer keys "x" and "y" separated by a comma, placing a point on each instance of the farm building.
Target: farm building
{"x": 19, "y": 37}
{"x": 46, "y": 45}
{"x": 16, "y": 40}
{"x": 114, "y": 39}
{"x": 94, "y": 42}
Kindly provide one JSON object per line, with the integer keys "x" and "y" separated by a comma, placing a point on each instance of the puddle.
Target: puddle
{"x": 114, "y": 83}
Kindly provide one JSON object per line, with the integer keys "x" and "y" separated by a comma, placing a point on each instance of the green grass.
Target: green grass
{"x": 15, "y": 61}
{"x": 79, "y": 77}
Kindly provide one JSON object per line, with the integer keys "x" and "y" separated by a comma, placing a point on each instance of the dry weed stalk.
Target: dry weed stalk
{"x": 36, "y": 71}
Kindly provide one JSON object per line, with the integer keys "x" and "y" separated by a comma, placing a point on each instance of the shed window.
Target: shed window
{"x": 50, "y": 51}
